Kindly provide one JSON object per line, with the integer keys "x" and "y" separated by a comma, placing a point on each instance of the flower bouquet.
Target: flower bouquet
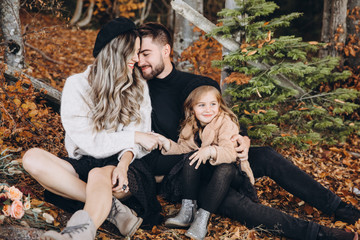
{"x": 12, "y": 201}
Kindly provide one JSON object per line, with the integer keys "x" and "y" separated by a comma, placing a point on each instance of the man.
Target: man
{"x": 168, "y": 90}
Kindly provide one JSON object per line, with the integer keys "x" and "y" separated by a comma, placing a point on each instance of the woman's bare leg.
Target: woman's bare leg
{"x": 99, "y": 194}
{"x": 54, "y": 174}
{"x": 59, "y": 177}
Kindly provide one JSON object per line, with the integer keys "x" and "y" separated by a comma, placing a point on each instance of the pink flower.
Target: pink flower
{"x": 14, "y": 193}
{"x": 6, "y": 210}
{"x": 17, "y": 210}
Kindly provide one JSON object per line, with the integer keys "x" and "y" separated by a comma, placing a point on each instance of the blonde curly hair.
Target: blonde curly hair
{"x": 115, "y": 93}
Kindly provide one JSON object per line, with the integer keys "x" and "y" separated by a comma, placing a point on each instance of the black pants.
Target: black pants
{"x": 213, "y": 180}
{"x": 265, "y": 161}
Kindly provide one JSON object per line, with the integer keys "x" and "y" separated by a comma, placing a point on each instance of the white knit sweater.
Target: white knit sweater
{"x": 81, "y": 139}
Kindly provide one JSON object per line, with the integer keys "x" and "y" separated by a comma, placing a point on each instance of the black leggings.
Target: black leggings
{"x": 214, "y": 182}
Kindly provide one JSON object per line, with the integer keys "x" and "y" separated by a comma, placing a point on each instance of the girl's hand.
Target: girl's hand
{"x": 201, "y": 156}
{"x": 120, "y": 180}
{"x": 164, "y": 142}
{"x": 147, "y": 140}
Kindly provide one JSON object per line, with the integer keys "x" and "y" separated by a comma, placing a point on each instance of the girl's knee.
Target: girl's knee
{"x": 191, "y": 168}
{"x": 226, "y": 169}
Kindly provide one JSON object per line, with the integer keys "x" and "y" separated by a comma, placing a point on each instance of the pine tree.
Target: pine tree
{"x": 273, "y": 110}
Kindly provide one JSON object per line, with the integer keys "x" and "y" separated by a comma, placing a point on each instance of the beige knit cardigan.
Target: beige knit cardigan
{"x": 217, "y": 134}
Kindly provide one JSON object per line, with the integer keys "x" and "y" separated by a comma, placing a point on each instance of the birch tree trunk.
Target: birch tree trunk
{"x": 352, "y": 25}
{"x": 11, "y": 30}
{"x": 184, "y": 34}
{"x": 334, "y": 27}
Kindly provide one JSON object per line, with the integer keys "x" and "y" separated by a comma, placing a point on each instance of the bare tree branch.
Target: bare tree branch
{"x": 144, "y": 12}
{"x": 77, "y": 13}
{"x": 89, "y": 13}
{"x": 43, "y": 54}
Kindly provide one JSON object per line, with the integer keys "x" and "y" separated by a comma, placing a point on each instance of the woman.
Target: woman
{"x": 105, "y": 112}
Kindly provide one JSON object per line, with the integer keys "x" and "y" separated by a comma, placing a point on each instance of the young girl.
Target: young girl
{"x": 105, "y": 112}
{"x": 208, "y": 127}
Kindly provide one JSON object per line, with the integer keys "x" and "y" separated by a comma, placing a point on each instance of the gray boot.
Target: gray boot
{"x": 198, "y": 229}
{"x": 79, "y": 227}
{"x": 123, "y": 218}
{"x": 186, "y": 215}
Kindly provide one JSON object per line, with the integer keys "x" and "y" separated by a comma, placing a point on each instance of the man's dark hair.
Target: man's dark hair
{"x": 157, "y": 32}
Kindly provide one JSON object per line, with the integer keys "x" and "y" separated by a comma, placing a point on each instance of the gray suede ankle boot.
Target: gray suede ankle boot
{"x": 123, "y": 218}
{"x": 79, "y": 227}
{"x": 185, "y": 216}
{"x": 198, "y": 228}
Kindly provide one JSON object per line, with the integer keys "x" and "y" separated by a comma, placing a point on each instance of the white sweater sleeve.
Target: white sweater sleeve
{"x": 80, "y": 137}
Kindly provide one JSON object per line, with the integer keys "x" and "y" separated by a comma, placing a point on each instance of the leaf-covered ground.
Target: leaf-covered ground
{"x": 54, "y": 51}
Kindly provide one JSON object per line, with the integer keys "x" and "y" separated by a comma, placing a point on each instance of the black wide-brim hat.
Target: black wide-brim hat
{"x": 110, "y": 31}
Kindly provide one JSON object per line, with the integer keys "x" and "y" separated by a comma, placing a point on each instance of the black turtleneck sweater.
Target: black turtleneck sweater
{"x": 167, "y": 100}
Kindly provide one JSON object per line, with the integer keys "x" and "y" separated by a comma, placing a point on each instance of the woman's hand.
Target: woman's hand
{"x": 242, "y": 145}
{"x": 119, "y": 177}
{"x": 147, "y": 140}
{"x": 201, "y": 156}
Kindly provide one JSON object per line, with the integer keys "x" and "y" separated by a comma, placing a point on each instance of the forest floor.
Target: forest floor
{"x": 55, "y": 51}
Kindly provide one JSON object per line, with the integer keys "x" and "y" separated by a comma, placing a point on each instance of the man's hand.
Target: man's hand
{"x": 201, "y": 156}
{"x": 242, "y": 145}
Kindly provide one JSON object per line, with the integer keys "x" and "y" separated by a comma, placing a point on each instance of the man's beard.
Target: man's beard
{"x": 155, "y": 71}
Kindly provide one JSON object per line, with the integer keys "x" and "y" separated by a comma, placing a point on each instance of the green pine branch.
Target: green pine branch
{"x": 269, "y": 104}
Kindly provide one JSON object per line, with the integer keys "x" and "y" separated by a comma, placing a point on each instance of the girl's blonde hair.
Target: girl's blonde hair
{"x": 194, "y": 98}
{"x": 115, "y": 93}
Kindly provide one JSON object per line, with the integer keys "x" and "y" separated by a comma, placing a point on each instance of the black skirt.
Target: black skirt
{"x": 84, "y": 165}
